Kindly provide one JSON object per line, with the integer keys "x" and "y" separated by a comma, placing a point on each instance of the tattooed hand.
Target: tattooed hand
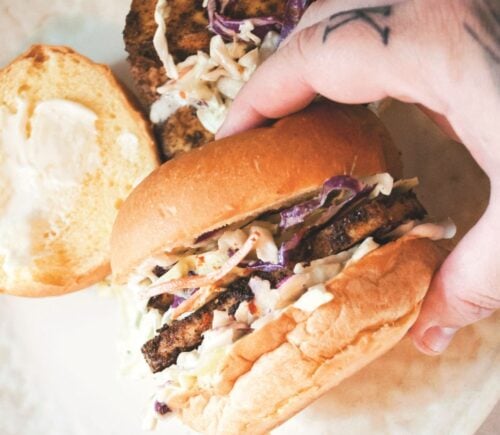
{"x": 443, "y": 55}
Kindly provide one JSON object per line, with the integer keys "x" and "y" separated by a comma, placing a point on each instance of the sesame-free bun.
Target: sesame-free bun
{"x": 274, "y": 372}
{"x": 239, "y": 177}
{"x": 69, "y": 242}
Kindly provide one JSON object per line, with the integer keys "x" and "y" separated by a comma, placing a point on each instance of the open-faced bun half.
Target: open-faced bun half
{"x": 72, "y": 147}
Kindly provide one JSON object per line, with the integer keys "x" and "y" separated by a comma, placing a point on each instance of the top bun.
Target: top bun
{"x": 72, "y": 147}
{"x": 239, "y": 177}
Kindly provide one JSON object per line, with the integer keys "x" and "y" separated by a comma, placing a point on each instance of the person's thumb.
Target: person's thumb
{"x": 465, "y": 289}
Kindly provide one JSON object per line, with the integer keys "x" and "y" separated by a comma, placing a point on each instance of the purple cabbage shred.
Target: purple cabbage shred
{"x": 293, "y": 13}
{"x": 180, "y": 299}
{"x": 287, "y": 247}
{"x": 161, "y": 408}
{"x": 228, "y": 27}
{"x": 354, "y": 189}
{"x": 263, "y": 266}
{"x": 207, "y": 235}
{"x": 298, "y": 213}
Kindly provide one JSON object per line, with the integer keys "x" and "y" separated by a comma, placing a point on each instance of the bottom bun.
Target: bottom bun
{"x": 279, "y": 369}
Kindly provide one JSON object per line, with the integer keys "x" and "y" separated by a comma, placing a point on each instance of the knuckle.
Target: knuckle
{"x": 476, "y": 305}
{"x": 300, "y": 54}
{"x": 301, "y": 44}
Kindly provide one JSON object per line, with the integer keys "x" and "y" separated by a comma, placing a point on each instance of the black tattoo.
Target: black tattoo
{"x": 486, "y": 27}
{"x": 370, "y": 16}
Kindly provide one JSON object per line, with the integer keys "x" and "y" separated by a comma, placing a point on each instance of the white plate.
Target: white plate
{"x": 58, "y": 358}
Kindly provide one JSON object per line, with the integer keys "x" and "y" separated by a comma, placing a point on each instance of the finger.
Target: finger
{"x": 466, "y": 288}
{"x": 354, "y": 57}
{"x": 289, "y": 96}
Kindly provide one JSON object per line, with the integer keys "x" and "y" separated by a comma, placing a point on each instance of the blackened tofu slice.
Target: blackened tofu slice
{"x": 371, "y": 217}
{"x": 161, "y": 302}
{"x": 186, "y": 334}
{"x": 182, "y": 132}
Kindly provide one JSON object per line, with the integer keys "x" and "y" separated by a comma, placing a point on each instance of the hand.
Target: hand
{"x": 444, "y": 56}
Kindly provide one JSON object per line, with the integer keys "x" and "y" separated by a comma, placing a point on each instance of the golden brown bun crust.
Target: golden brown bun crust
{"x": 242, "y": 176}
{"x": 275, "y": 372}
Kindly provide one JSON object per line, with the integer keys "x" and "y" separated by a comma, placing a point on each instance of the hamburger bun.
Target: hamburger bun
{"x": 62, "y": 243}
{"x": 240, "y": 177}
{"x": 278, "y": 369}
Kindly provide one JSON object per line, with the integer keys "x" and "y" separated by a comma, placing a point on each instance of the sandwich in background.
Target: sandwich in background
{"x": 190, "y": 58}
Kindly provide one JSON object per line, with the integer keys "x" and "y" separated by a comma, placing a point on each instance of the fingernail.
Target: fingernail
{"x": 437, "y": 339}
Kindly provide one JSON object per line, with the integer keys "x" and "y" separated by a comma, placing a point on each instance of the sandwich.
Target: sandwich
{"x": 72, "y": 147}
{"x": 190, "y": 58}
{"x": 267, "y": 267}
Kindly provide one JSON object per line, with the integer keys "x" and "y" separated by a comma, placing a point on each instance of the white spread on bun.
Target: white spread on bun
{"x": 72, "y": 147}
{"x": 41, "y": 170}
{"x": 269, "y": 266}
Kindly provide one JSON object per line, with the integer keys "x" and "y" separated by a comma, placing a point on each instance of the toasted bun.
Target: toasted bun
{"x": 242, "y": 176}
{"x": 70, "y": 246}
{"x": 276, "y": 371}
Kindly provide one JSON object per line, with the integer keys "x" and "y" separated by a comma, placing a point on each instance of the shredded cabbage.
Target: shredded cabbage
{"x": 265, "y": 297}
{"x": 340, "y": 184}
{"x": 383, "y": 183}
{"x": 253, "y": 251}
{"x": 250, "y": 29}
{"x": 265, "y": 249}
{"x": 210, "y": 81}
{"x": 160, "y": 42}
{"x": 243, "y": 313}
{"x": 231, "y": 241}
{"x": 293, "y": 13}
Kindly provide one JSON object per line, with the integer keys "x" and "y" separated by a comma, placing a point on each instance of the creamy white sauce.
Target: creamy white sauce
{"x": 435, "y": 231}
{"x": 44, "y": 158}
{"x": 368, "y": 245}
{"x": 313, "y": 298}
{"x": 160, "y": 41}
{"x": 165, "y": 106}
{"x": 245, "y": 32}
{"x": 213, "y": 114}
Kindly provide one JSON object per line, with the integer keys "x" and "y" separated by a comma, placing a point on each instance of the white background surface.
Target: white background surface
{"x": 58, "y": 359}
